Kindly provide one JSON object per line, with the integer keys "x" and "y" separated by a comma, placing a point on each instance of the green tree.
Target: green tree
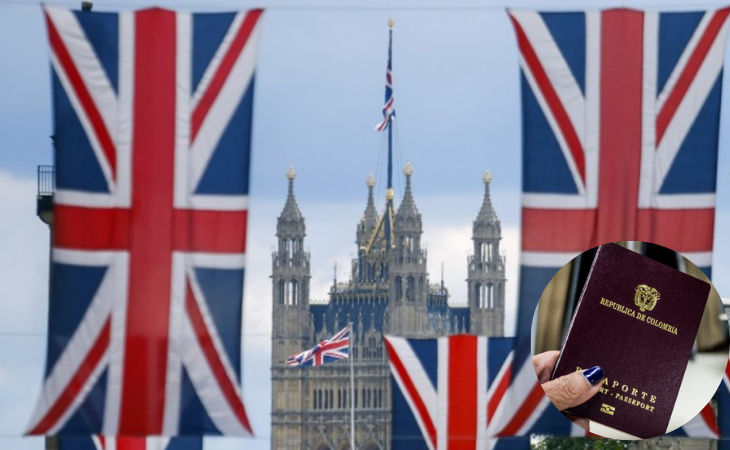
{"x": 571, "y": 443}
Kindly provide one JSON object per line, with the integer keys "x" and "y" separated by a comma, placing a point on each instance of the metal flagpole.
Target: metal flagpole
{"x": 352, "y": 393}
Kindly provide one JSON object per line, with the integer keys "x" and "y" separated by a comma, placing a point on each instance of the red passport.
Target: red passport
{"x": 637, "y": 319}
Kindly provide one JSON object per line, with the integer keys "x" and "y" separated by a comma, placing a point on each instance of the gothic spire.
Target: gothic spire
{"x": 291, "y": 221}
{"x": 487, "y": 213}
{"x": 369, "y": 219}
{"x": 291, "y": 209}
{"x": 407, "y": 209}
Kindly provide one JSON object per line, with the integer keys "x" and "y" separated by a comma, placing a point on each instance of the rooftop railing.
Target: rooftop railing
{"x": 46, "y": 180}
{"x": 46, "y": 188}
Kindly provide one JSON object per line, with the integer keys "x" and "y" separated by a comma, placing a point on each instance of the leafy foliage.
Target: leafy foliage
{"x": 571, "y": 443}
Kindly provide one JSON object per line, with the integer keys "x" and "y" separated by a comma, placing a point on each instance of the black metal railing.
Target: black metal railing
{"x": 46, "y": 180}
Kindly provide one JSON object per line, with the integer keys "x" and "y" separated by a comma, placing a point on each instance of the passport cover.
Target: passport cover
{"x": 637, "y": 319}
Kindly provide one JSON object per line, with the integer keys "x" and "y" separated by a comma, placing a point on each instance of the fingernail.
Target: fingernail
{"x": 594, "y": 375}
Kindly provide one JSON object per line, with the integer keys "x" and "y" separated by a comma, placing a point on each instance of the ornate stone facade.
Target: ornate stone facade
{"x": 388, "y": 292}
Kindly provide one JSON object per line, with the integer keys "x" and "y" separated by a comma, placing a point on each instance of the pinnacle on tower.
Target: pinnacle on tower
{"x": 370, "y": 217}
{"x": 407, "y": 209}
{"x": 291, "y": 209}
{"x": 487, "y": 213}
{"x": 291, "y": 221}
{"x": 487, "y": 224}
{"x": 371, "y": 214}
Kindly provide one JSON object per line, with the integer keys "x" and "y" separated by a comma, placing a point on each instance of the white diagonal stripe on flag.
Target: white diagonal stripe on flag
{"x": 225, "y": 104}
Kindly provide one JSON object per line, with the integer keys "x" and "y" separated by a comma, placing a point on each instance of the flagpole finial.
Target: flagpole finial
{"x": 391, "y": 22}
{"x": 291, "y": 173}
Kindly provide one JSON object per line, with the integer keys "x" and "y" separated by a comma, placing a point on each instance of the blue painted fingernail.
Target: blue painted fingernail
{"x": 594, "y": 375}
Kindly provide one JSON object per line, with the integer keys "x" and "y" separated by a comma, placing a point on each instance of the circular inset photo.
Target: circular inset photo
{"x": 630, "y": 341}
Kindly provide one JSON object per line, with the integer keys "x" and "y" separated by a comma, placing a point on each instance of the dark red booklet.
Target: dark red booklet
{"x": 637, "y": 319}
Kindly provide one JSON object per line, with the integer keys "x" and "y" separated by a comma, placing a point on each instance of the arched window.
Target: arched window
{"x": 478, "y": 294}
{"x": 319, "y": 398}
{"x": 411, "y": 289}
{"x": 293, "y": 297}
{"x": 490, "y": 295}
{"x": 398, "y": 288}
{"x": 282, "y": 292}
{"x": 314, "y": 399}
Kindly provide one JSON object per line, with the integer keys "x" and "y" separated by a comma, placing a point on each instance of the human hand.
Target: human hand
{"x": 569, "y": 390}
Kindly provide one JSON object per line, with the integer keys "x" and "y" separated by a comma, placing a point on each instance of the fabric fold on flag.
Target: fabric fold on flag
{"x": 449, "y": 392}
{"x": 620, "y": 118}
{"x": 152, "y": 136}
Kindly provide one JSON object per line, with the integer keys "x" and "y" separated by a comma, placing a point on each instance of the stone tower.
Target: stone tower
{"x": 291, "y": 326}
{"x": 408, "y": 273}
{"x": 486, "y": 279}
{"x": 388, "y": 292}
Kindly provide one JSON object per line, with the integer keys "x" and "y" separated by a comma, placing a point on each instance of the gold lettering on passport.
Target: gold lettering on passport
{"x": 625, "y": 388}
{"x": 637, "y": 315}
{"x": 646, "y": 297}
{"x": 634, "y": 402}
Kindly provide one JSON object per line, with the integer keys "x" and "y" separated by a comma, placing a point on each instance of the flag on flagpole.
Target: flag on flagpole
{"x": 335, "y": 348}
{"x": 620, "y": 112}
{"x": 389, "y": 106}
{"x": 152, "y": 134}
{"x": 330, "y": 350}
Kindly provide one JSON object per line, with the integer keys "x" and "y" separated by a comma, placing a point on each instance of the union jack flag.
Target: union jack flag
{"x": 723, "y": 406}
{"x": 450, "y": 392}
{"x": 620, "y": 116}
{"x": 389, "y": 107}
{"x": 152, "y": 134}
{"x": 329, "y": 350}
{"x": 149, "y": 443}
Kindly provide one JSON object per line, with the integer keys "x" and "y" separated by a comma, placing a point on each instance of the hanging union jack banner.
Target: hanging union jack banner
{"x": 620, "y": 112}
{"x": 450, "y": 392}
{"x": 723, "y": 413}
{"x": 329, "y": 350}
{"x": 150, "y": 443}
{"x": 152, "y": 134}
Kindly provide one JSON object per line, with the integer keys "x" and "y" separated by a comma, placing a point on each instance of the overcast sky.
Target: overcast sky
{"x": 319, "y": 91}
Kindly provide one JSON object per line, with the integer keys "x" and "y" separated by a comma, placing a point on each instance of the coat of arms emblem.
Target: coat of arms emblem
{"x": 646, "y": 297}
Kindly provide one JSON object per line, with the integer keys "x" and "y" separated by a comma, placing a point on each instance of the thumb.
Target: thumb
{"x": 575, "y": 388}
